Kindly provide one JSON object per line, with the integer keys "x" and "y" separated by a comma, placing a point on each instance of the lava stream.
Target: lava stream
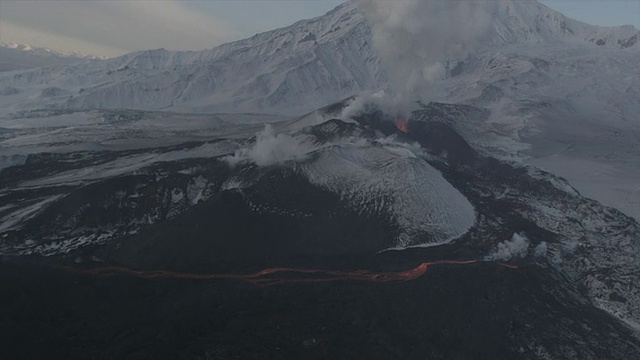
{"x": 402, "y": 125}
{"x": 274, "y": 276}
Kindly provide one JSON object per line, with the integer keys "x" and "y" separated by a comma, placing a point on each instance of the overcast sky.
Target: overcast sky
{"x": 114, "y": 27}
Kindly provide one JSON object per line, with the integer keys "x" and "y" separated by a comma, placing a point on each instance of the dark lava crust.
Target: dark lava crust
{"x": 475, "y": 311}
{"x": 478, "y": 311}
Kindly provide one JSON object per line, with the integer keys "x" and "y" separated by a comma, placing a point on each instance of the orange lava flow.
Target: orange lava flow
{"x": 275, "y": 276}
{"x": 402, "y": 125}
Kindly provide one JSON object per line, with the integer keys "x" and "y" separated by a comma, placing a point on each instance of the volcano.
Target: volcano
{"x": 369, "y": 232}
{"x": 178, "y": 205}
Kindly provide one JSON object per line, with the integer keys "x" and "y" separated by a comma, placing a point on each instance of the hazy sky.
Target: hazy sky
{"x": 114, "y": 27}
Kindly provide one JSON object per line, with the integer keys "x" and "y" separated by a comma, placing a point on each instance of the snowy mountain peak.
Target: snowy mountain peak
{"x": 530, "y": 21}
{"x": 469, "y": 24}
{"x": 22, "y": 56}
{"x": 45, "y": 51}
{"x": 300, "y": 36}
{"x": 290, "y": 70}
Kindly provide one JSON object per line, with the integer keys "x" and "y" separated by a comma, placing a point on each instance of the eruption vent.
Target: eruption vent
{"x": 402, "y": 125}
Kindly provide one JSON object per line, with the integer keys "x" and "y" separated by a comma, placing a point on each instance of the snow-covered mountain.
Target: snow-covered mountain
{"x": 289, "y": 70}
{"x": 96, "y": 189}
{"x": 528, "y": 21}
{"x": 561, "y": 92}
{"x": 23, "y": 56}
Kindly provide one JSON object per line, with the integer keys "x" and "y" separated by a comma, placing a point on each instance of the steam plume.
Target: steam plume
{"x": 415, "y": 38}
{"x": 518, "y": 246}
{"x": 270, "y": 148}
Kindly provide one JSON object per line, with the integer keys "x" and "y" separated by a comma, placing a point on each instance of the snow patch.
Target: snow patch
{"x": 427, "y": 209}
{"x": 20, "y": 215}
{"x": 12, "y": 160}
{"x": 196, "y": 190}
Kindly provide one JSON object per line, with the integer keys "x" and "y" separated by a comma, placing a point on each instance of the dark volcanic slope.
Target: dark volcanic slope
{"x": 281, "y": 215}
{"x": 479, "y": 311}
{"x": 203, "y": 215}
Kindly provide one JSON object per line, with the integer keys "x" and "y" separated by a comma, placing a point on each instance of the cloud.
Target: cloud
{"x": 416, "y": 38}
{"x": 114, "y": 26}
{"x": 518, "y": 246}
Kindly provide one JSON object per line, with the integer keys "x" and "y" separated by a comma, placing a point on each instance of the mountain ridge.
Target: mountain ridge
{"x": 15, "y": 56}
{"x": 44, "y": 50}
{"x": 540, "y": 22}
{"x": 541, "y": 86}
{"x": 313, "y": 62}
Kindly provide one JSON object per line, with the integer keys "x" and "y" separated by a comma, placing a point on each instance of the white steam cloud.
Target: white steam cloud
{"x": 271, "y": 148}
{"x": 518, "y": 246}
{"x": 416, "y": 38}
{"x": 541, "y": 249}
{"x": 394, "y": 106}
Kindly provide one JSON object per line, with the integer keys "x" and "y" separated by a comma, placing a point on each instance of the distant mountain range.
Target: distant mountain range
{"x": 22, "y": 56}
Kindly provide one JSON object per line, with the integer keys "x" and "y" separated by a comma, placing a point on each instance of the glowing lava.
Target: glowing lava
{"x": 402, "y": 125}
{"x": 275, "y": 276}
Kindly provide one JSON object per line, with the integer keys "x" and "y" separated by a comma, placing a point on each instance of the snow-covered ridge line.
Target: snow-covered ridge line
{"x": 301, "y": 35}
{"x": 531, "y": 21}
{"x": 516, "y": 21}
{"x": 46, "y": 51}
{"x": 291, "y": 70}
{"x": 21, "y": 57}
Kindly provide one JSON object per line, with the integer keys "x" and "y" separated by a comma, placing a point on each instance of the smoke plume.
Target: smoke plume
{"x": 271, "y": 148}
{"x": 416, "y": 38}
{"x": 518, "y": 246}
